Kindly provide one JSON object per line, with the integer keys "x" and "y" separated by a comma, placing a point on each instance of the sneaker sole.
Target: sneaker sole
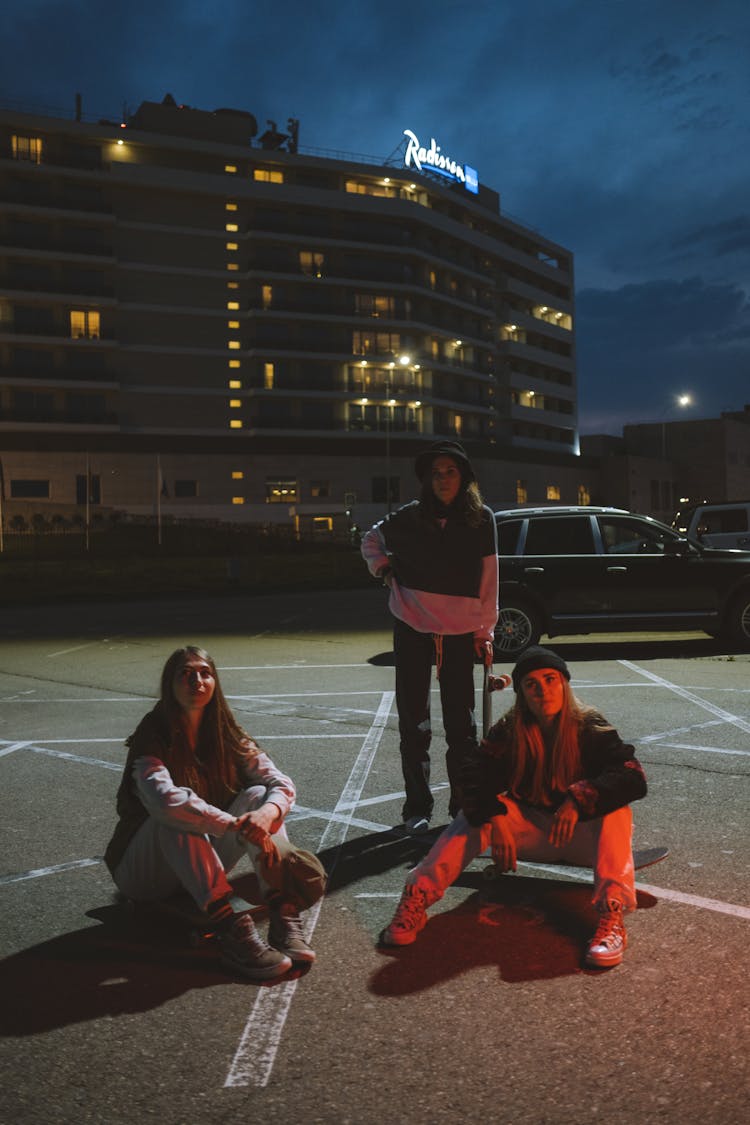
{"x": 407, "y": 938}
{"x": 256, "y": 973}
{"x": 298, "y": 956}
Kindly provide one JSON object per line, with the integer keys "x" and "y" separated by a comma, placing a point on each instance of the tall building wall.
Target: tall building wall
{"x": 166, "y": 289}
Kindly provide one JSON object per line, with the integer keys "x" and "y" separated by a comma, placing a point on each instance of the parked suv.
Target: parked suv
{"x": 716, "y": 525}
{"x": 588, "y": 570}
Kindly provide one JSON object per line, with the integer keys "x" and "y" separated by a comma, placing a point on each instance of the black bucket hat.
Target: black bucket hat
{"x": 535, "y": 658}
{"x": 453, "y": 449}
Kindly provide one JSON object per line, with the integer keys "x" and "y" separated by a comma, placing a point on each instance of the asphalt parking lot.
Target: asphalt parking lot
{"x": 490, "y": 1016}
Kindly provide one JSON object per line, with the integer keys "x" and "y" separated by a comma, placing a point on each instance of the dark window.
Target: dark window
{"x": 631, "y": 537}
{"x": 29, "y": 490}
{"x": 564, "y": 536}
{"x": 379, "y": 490}
{"x": 507, "y": 537}
{"x": 95, "y": 488}
{"x": 185, "y": 488}
{"x": 724, "y": 520}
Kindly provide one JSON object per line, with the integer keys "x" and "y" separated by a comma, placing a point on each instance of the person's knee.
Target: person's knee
{"x": 247, "y": 800}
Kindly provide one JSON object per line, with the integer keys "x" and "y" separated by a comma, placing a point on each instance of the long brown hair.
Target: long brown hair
{"x": 211, "y": 769}
{"x": 468, "y": 503}
{"x": 545, "y": 769}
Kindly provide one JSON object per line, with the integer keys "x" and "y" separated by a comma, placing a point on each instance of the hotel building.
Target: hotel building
{"x": 220, "y": 323}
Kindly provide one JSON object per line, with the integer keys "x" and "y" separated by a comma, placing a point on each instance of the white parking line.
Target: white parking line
{"x": 40, "y": 872}
{"x": 712, "y": 709}
{"x": 253, "y": 1061}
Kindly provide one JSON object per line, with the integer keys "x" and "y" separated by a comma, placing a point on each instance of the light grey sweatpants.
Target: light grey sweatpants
{"x": 161, "y": 860}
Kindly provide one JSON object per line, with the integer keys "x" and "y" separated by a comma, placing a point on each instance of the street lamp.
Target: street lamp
{"x": 682, "y": 400}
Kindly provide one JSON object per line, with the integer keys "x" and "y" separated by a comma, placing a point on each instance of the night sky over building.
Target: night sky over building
{"x": 619, "y": 129}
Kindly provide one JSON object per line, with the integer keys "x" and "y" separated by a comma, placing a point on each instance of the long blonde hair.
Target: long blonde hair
{"x": 545, "y": 768}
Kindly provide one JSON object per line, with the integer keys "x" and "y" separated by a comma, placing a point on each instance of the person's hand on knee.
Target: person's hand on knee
{"x": 502, "y": 844}
{"x": 251, "y": 827}
{"x": 564, "y": 823}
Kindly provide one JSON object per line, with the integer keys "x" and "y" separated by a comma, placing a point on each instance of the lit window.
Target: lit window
{"x": 267, "y": 296}
{"x": 235, "y": 363}
{"x": 584, "y": 496}
{"x": 232, "y": 246}
{"x": 27, "y": 148}
{"x": 553, "y": 492}
{"x": 235, "y": 385}
{"x": 233, "y": 324}
{"x": 265, "y": 175}
{"x": 268, "y": 376}
{"x": 522, "y": 492}
{"x": 311, "y": 263}
{"x": 233, "y": 285}
{"x": 282, "y": 491}
{"x": 235, "y": 424}
{"x": 230, "y": 167}
{"x": 84, "y": 324}
{"x": 233, "y": 304}
{"x": 235, "y": 403}
{"x": 320, "y": 489}
{"x": 230, "y": 206}
{"x": 232, "y": 266}
{"x": 238, "y": 476}
{"x": 322, "y": 523}
{"x": 231, "y": 227}
{"x": 233, "y": 345}
{"x": 238, "y": 499}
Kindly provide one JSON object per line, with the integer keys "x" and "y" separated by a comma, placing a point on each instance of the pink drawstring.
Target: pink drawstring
{"x": 438, "y": 640}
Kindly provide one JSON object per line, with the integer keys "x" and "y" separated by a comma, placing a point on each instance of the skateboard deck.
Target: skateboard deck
{"x": 645, "y": 857}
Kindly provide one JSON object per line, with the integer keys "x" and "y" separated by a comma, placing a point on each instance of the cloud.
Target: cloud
{"x": 641, "y": 345}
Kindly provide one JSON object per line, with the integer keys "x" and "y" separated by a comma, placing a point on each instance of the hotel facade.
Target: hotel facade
{"x": 218, "y": 323}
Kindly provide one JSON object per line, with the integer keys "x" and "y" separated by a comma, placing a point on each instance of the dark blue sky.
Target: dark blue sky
{"x": 619, "y": 129}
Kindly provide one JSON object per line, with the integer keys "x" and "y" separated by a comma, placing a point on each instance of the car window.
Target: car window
{"x": 631, "y": 537}
{"x": 560, "y": 535}
{"x": 723, "y": 520}
{"x": 507, "y": 536}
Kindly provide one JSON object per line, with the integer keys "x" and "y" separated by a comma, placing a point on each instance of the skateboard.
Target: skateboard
{"x": 182, "y": 911}
{"x": 645, "y": 857}
{"x": 490, "y": 683}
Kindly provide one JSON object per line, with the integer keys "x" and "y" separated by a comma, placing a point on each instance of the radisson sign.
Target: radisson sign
{"x": 433, "y": 160}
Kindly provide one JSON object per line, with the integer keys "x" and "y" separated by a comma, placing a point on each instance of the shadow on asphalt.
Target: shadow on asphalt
{"x": 531, "y": 929}
{"x": 374, "y": 854}
{"x": 129, "y": 963}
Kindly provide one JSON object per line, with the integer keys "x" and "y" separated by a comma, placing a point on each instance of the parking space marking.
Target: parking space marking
{"x": 714, "y": 904}
{"x": 256, "y": 1052}
{"x": 40, "y": 872}
{"x": 11, "y": 747}
{"x": 727, "y": 716}
{"x": 696, "y": 900}
{"x": 702, "y": 749}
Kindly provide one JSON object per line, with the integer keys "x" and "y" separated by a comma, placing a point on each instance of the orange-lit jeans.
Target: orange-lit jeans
{"x": 603, "y": 844}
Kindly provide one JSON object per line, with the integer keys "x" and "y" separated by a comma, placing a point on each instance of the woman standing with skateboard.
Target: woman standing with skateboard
{"x": 438, "y": 556}
{"x": 196, "y": 795}
{"x": 551, "y": 782}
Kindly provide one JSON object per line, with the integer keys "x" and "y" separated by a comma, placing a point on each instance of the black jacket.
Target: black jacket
{"x": 611, "y": 777}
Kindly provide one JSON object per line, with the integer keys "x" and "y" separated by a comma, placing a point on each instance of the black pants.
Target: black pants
{"x": 414, "y": 652}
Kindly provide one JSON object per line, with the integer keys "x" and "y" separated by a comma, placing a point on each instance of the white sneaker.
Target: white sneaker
{"x": 416, "y": 825}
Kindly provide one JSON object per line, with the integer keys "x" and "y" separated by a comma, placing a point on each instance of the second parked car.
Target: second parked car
{"x": 586, "y": 570}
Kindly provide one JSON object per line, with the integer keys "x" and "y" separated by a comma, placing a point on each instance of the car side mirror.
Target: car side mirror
{"x": 679, "y": 546}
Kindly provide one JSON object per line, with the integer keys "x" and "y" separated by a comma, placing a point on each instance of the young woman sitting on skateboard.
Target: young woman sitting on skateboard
{"x": 196, "y": 795}
{"x": 551, "y": 782}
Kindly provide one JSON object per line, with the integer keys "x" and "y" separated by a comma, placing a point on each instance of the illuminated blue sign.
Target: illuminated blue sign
{"x": 432, "y": 159}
